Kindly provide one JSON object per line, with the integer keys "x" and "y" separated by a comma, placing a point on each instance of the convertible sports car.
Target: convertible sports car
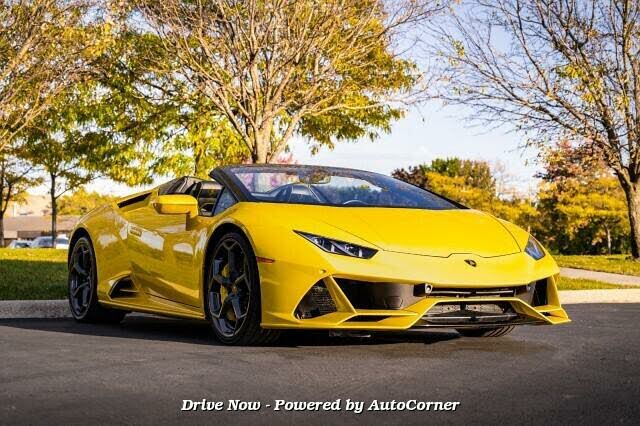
{"x": 261, "y": 248}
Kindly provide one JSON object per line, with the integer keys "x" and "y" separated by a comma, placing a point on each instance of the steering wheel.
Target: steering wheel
{"x": 355, "y": 202}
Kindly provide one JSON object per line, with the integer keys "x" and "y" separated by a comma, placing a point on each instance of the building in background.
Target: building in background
{"x": 31, "y": 218}
{"x": 32, "y": 205}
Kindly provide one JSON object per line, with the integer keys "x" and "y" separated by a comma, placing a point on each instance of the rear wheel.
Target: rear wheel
{"x": 83, "y": 286}
{"x": 233, "y": 293}
{"x": 485, "y": 332}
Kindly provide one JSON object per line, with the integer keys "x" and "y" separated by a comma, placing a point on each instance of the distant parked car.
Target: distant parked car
{"x": 18, "y": 244}
{"x": 62, "y": 242}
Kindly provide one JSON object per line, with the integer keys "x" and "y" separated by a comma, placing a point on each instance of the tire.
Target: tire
{"x": 485, "y": 332}
{"x": 83, "y": 287}
{"x": 232, "y": 293}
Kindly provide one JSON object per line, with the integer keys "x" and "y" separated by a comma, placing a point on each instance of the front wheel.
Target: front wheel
{"x": 485, "y": 332}
{"x": 233, "y": 293}
{"x": 83, "y": 286}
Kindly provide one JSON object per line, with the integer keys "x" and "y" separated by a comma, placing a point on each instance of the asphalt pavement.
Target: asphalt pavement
{"x": 141, "y": 371}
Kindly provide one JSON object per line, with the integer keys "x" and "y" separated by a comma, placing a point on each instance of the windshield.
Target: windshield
{"x": 333, "y": 187}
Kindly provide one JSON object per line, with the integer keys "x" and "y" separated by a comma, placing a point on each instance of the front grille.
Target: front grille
{"x": 454, "y": 314}
{"x": 443, "y": 308}
{"x": 316, "y": 302}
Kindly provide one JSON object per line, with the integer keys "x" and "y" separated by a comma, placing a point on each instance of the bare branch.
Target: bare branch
{"x": 268, "y": 65}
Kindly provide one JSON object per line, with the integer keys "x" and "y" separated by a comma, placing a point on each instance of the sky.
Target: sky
{"x": 433, "y": 132}
{"x": 421, "y": 136}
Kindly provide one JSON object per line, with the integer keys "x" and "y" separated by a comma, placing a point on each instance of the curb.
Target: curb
{"x": 569, "y": 297}
{"x": 34, "y": 309}
{"x": 26, "y": 309}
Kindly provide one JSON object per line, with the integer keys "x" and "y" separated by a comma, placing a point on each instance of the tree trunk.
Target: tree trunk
{"x": 197, "y": 157}
{"x": 2, "y": 207}
{"x": 606, "y": 227}
{"x": 54, "y": 212}
{"x": 261, "y": 145}
{"x": 260, "y": 154}
{"x": 1, "y": 229}
{"x": 633, "y": 207}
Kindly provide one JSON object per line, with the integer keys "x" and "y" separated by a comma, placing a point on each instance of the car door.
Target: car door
{"x": 187, "y": 246}
{"x": 149, "y": 236}
{"x": 163, "y": 248}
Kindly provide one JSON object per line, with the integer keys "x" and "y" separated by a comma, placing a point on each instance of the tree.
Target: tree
{"x": 472, "y": 173}
{"x": 174, "y": 129}
{"x": 472, "y": 184}
{"x": 327, "y": 70}
{"x": 457, "y": 187}
{"x": 16, "y": 176}
{"x": 556, "y": 70}
{"x": 476, "y": 174}
{"x": 202, "y": 142}
{"x": 415, "y": 175}
{"x": 579, "y": 219}
{"x": 582, "y": 207}
{"x": 42, "y": 51}
{"x": 80, "y": 202}
{"x": 78, "y": 140}
{"x": 65, "y": 159}
{"x": 467, "y": 181}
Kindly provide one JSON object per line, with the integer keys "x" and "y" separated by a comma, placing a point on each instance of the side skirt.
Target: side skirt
{"x": 152, "y": 307}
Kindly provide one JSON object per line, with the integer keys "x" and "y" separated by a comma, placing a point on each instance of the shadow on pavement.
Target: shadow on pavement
{"x": 148, "y": 327}
{"x": 134, "y": 327}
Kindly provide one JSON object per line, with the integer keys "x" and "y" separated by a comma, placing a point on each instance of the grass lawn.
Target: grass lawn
{"x": 33, "y": 274}
{"x": 580, "y": 284}
{"x": 617, "y": 263}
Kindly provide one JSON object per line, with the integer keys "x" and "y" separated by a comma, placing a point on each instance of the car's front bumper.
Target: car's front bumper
{"x": 286, "y": 283}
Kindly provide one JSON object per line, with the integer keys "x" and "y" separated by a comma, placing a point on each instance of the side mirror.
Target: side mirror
{"x": 176, "y": 204}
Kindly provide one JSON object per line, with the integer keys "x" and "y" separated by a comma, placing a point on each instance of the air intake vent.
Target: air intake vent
{"x": 378, "y": 295}
{"x": 316, "y": 302}
{"x": 368, "y": 318}
{"x": 123, "y": 288}
{"x": 540, "y": 293}
{"x": 133, "y": 200}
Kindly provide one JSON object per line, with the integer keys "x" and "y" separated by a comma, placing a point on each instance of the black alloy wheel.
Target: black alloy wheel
{"x": 80, "y": 278}
{"x": 233, "y": 293}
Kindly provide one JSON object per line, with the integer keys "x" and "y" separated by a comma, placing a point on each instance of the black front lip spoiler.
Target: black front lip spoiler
{"x": 474, "y": 319}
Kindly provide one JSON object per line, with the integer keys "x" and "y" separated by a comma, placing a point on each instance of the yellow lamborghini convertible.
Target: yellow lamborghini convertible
{"x": 257, "y": 249}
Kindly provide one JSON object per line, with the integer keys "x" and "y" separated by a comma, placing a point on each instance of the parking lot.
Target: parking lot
{"x": 58, "y": 371}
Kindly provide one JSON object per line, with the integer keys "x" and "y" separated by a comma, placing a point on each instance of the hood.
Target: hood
{"x": 425, "y": 232}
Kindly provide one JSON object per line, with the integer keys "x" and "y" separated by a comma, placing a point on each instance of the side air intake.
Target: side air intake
{"x": 133, "y": 200}
{"x": 123, "y": 288}
{"x": 316, "y": 302}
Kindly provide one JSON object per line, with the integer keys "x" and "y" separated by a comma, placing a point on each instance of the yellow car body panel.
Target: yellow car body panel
{"x": 163, "y": 256}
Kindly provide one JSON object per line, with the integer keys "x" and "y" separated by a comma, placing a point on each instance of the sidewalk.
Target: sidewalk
{"x": 605, "y": 277}
{"x": 569, "y": 297}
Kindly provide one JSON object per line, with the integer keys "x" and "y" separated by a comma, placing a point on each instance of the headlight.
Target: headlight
{"x": 534, "y": 248}
{"x": 338, "y": 247}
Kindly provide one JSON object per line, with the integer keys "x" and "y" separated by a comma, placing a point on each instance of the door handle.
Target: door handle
{"x": 134, "y": 230}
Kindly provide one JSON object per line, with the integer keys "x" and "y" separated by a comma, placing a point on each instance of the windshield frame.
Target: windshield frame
{"x": 243, "y": 194}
